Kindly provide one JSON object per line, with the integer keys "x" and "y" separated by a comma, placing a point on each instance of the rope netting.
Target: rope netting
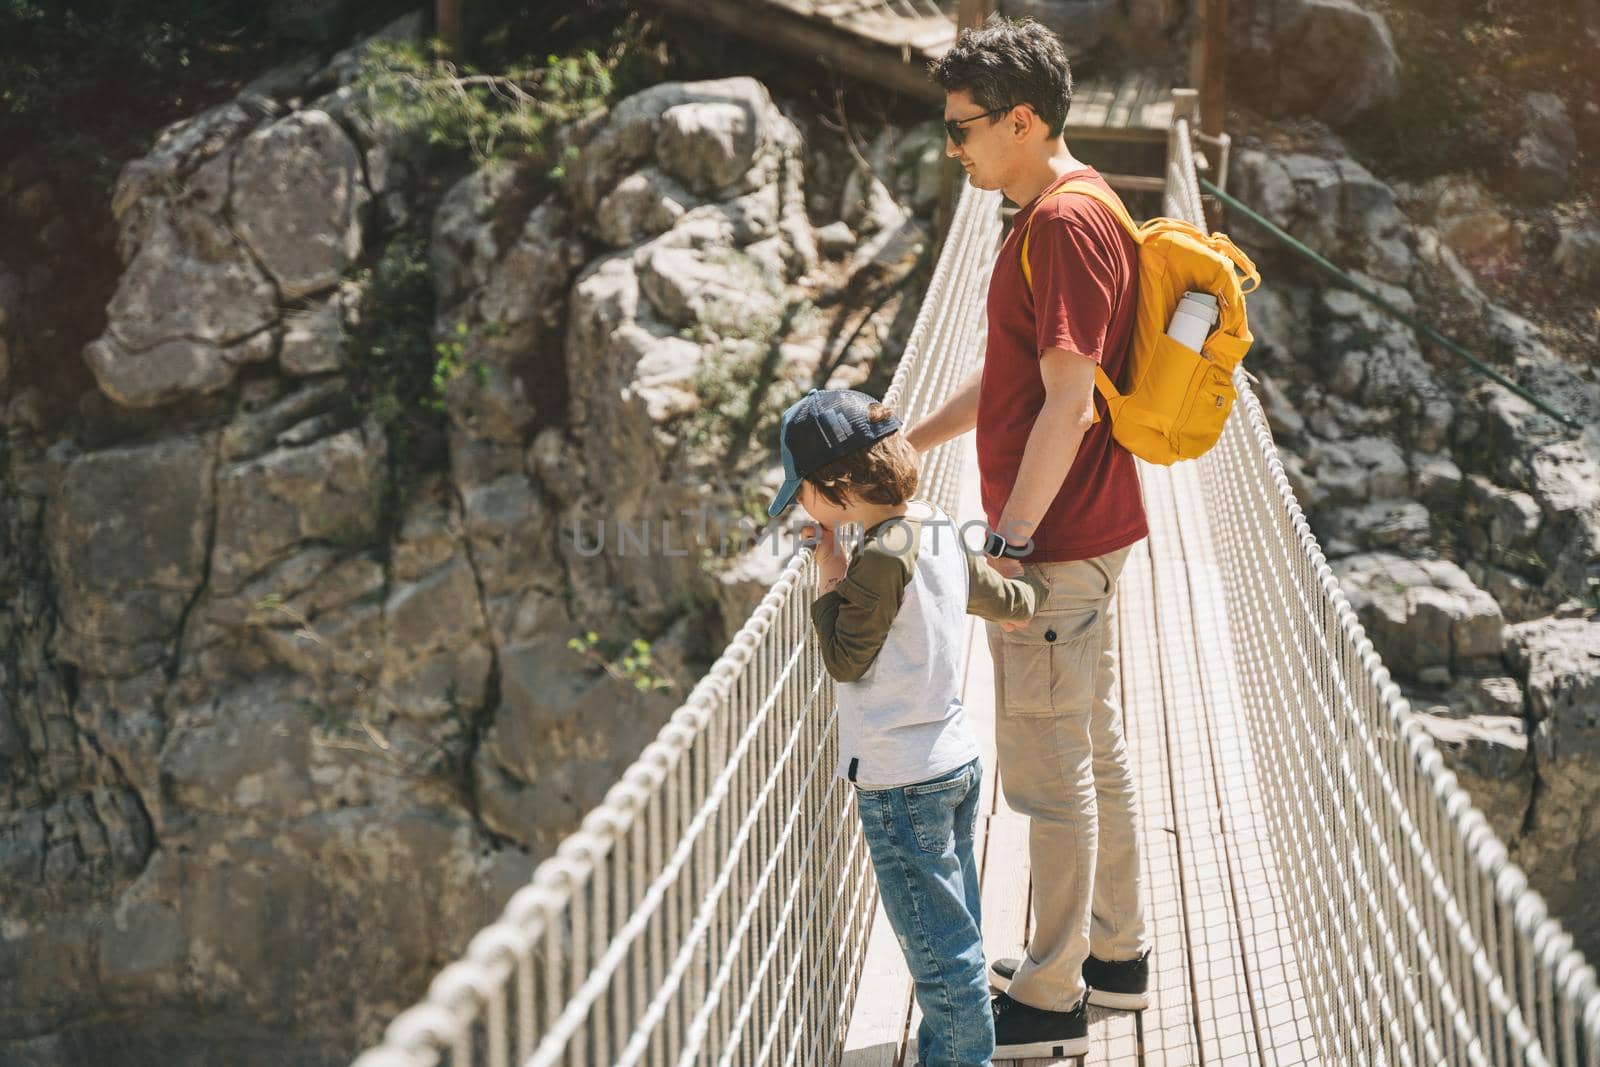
{"x": 715, "y": 907}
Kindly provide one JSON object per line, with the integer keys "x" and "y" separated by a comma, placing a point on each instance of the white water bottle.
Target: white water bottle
{"x": 1192, "y": 321}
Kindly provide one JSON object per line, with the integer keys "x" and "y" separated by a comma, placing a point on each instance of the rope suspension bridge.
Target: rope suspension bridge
{"x": 1322, "y": 889}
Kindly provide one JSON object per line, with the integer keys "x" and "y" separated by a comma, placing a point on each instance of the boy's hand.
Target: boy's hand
{"x": 1008, "y": 567}
{"x": 831, "y": 563}
{"x": 815, "y": 535}
{"x": 1040, "y": 594}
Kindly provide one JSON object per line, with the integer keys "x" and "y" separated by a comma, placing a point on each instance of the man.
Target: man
{"x": 1065, "y": 498}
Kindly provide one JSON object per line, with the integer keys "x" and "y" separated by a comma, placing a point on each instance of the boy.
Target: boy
{"x": 889, "y": 622}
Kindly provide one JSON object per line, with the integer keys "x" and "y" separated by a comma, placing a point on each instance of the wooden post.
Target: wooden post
{"x": 447, "y": 25}
{"x": 1213, "y": 79}
{"x": 971, "y": 14}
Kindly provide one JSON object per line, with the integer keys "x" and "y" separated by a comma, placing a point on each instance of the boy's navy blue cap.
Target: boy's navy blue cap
{"x": 819, "y": 428}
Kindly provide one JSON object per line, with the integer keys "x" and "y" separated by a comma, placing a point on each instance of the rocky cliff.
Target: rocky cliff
{"x": 296, "y": 688}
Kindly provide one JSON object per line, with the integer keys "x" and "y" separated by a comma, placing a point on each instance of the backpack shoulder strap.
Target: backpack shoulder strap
{"x": 1113, "y": 203}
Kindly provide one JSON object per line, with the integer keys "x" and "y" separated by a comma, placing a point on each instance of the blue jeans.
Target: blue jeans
{"x": 921, "y": 841}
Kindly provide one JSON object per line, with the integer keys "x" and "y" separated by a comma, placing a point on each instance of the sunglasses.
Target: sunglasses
{"x": 956, "y": 130}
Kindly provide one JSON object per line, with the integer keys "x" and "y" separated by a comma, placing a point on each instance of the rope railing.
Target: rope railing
{"x": 716, "y": 906}
{"x": 1420, "y": 941}
{"x": 1181, "y": 200}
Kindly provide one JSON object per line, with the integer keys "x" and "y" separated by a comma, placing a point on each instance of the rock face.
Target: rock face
{"x": 1561, "y": 659}
{"x": 1539, "y": 168}
{"x": 297, "y": 200}
{"x": 1461, "y": 521}
{"x": 1424, "y": 614}
{"x": 1334, "y": 59}
{"x": 1400, "y": 457}
{"x": 1577, "y": 252}
{"x": 1489, "y": 755}
{"x": 1336, "y": 206}
{"x": 231, "y": 214}
{"x": 284, "y": 715}
{"x": 1467, "y": 218}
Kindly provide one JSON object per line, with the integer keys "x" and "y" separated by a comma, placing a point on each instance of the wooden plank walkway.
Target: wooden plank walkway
{"x": 891, "y": 42}
{"x": 1226, "y": 987}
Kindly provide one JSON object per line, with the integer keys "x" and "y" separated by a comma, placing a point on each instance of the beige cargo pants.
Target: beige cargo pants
{"x": 1064, "y": 764}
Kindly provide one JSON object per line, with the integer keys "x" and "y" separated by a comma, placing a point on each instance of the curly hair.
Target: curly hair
{"x": 1007, "y": 62}
{"x": 884, "y": 473}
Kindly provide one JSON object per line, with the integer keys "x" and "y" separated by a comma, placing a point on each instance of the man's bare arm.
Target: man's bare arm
{"x": 1067, "y": 414}
{"x": 954, "y": 417}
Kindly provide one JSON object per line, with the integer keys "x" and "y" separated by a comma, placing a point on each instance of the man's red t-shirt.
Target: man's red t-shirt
{"x": 1085, "y": 281}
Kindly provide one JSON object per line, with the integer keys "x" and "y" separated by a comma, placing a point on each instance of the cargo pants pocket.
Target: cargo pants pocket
{"x": 1047, "y": 667}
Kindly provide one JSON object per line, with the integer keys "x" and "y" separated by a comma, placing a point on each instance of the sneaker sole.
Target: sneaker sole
{"x": 1076, "y": 1046}
{"x": 1100, "y": 998}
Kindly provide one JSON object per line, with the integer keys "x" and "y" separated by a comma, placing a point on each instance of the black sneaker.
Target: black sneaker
{"x": 1123, "y": 984}
{"x": 1022, "y": 1032}
{"x": 1120, "y": 984}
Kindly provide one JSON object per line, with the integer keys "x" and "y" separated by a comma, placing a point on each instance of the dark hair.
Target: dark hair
{"x": 885, "y": 472}
{"x": 1007, "y": 62}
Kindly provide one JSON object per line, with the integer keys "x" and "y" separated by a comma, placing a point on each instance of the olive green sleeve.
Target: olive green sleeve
{"x": 853, "y": 620}
{"x": 989, "y": 596}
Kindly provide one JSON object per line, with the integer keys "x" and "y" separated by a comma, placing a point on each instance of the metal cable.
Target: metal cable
{"x": 1378, "y": 301}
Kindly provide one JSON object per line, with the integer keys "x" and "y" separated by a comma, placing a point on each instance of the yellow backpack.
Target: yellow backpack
{"x": 1175, "y": 400}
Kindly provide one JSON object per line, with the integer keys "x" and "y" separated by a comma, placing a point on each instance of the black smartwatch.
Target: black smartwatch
{"x": 998, "y": 547}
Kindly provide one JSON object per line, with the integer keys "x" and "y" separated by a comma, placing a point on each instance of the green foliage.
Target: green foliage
{"x": 447, "y": 367}
{"x": 391, "y": 350}
{"x": 85, "y": 83}
{"x": 402, "y": 374}
{"x": 58, "y": 52}
{"x": 626, "y": 661}
{"x": 1526, "y": 562}
{"x": 508, "y": 114}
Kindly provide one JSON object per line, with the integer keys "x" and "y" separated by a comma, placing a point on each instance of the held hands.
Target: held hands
{"x": 1008, "y": 568}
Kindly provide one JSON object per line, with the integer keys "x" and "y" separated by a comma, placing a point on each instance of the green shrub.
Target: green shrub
{"x": 401, "y": 374}
{"x": 626, "y": 661}
{"x": 507, "y": 114}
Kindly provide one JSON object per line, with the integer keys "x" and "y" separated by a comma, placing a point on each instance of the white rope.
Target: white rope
{"x": 716, "y": 905}
{"x": 719, "y": 898}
